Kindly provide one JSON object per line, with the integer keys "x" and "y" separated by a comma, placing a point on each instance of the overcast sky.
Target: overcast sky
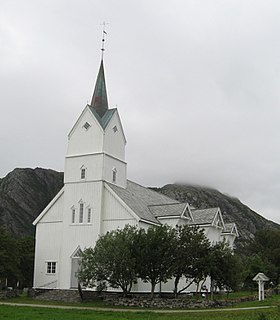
{"x": 196, "y": 83}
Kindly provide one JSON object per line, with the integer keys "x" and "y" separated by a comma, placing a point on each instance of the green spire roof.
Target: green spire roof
{"x": 99, "y": 100}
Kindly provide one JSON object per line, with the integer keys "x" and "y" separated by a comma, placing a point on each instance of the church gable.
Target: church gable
{"x": 54, "y": 211}
{"x": 86, "y": 136}
{"x": 114, "y": 138}
{"x": 218, "y": 220}
{"x": 230, "y": 228}
{"x": 115, "y": 212}
{"x": 77, "y": 253}
{"x": 187, "y": 214}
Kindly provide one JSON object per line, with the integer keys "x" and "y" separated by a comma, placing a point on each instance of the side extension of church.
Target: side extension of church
{"x": 97, "y": 197}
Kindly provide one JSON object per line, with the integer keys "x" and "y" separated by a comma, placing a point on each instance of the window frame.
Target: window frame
{"x": 73, "y": 215}
{"x": 81, "y": 212}
{"x": 114, "y": 177}
{"x": 89, "y": 214}
{"x": 51, "y": 267}
{"x": 83, "y": 173}
{"x": 86, "y": 125}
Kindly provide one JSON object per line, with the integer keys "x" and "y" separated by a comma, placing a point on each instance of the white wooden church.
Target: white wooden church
{"x": 97, "y": 197}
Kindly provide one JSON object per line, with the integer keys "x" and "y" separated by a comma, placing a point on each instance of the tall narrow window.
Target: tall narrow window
{"x": 89, "y": 215}
{"x": 73, "y": 215}
{"x": 51, "y": 267}
{"x": 83, "y": 173}
{"x": 81, "y": 215}
{"x": 114, "y": 171}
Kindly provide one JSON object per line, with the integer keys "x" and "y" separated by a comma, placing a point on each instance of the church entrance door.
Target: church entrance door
{"x": 75, "y": 260}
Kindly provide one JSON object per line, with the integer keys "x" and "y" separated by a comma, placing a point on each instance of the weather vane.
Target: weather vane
{"x": 103, "y": 39}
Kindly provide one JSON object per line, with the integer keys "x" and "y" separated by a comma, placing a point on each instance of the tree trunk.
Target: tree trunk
{"x": 212, "y": 289}
{"x": 177, "y": 279}
{"x": 80, "y": 291}
{"x": 153, "y": 284}
{"x": 186, "y": 286}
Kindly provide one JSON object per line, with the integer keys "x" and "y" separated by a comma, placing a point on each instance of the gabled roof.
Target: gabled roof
{"x": 151, "y": 206}
{"x": 140, "y": 200}
{"x": 204, "y": 216}
{"x": 260, "y": 277}
{"x": 167, "y": 210}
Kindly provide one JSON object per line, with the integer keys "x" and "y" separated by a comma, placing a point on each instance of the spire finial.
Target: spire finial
{"x": 103, "y": 39}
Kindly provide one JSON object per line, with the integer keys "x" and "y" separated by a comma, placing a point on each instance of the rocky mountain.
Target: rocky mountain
{"x": 24, "y": 193}
{"x": 233, "y": 210}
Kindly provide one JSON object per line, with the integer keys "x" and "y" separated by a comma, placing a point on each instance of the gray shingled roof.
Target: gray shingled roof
{"x": 204, "y": 216}
{"x": 149, "y": 205}
{"x": 139, "y": 199}
{"x": 165, "y": 210}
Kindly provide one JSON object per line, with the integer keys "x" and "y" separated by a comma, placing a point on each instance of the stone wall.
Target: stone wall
{"x": 55, "y": 295}
{"x": 133, "y": 300}
{"x": 165, "y": 303}
{"x": 6, "y": 294}
{"x": 182, "y": 302}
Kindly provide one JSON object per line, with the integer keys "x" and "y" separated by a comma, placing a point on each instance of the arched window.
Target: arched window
{"x": 83, "y": 172}
{"x": 88, "y": 215}
{"x": 73, "y": 217}
{"x": 81, "y": 213}
{"x": 114, "y": 172}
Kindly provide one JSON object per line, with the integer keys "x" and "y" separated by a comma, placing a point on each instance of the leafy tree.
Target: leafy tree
{"x": 189, "y": 252}
{"x": 261, "y": 254}
{"x": 267, "y": 246}
{"x": 111, "y": 261}
{"x": 26, "y": 248}
{"x": 154, "y": 254}
{"x": 9, "y": 270}
{"x": 252, "y": 265}
{"x": 224, "y": 267}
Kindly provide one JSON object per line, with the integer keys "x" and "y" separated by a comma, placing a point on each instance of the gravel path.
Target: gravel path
{"x": 130, "y": 310}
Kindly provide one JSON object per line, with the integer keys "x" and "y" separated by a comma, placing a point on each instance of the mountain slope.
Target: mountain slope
{"x": 24, "y": 193}
{"x": 233, "y": 210}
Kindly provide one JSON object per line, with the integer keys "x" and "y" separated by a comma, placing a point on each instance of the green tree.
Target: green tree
{"x": 190, "y": 250}
{"x": 9, "y": 259}
{"x": 252, "y": 265}
{"x": 224, "y": 267}
{"x": 112, "y": 261}
{"x": 154, "y": 254}
{"x": 26, "y": 248}
{"x": 267, "y": 246}
{"x": 261, "y": 254}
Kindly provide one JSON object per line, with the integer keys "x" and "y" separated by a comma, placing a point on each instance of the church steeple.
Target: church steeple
{"x": 99, "y": 99}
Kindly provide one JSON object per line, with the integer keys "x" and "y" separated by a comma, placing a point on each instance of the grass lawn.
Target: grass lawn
{"x": 30, "y": 313}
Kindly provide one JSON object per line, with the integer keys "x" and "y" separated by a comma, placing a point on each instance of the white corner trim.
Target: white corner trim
{"x": 48, "y": 206}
